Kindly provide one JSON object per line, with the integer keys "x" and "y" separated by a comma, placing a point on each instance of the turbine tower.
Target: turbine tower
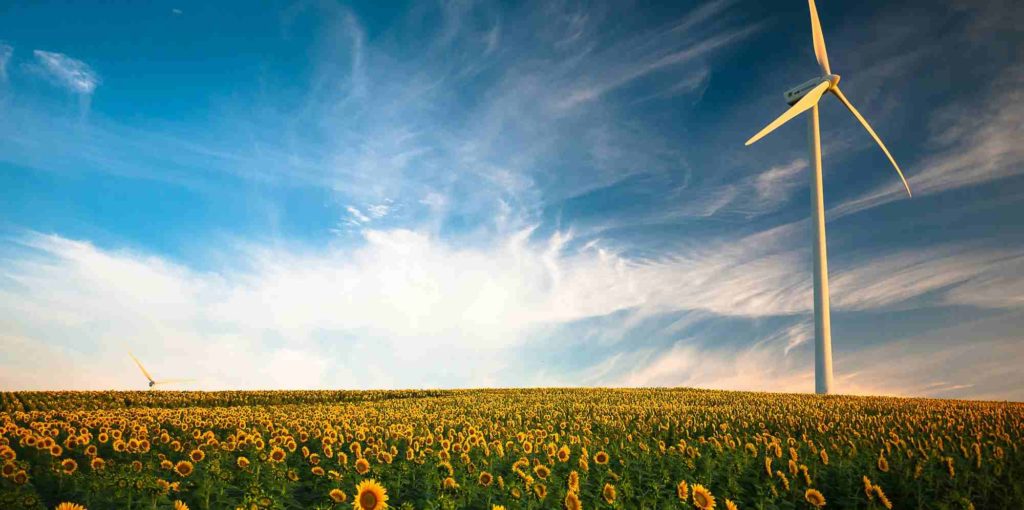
{"x": 802, "y": 98}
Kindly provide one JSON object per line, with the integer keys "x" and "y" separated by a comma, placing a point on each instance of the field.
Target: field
{"x": 537, "y": 448}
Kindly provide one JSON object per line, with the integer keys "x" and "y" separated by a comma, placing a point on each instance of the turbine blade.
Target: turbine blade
{"x": 144, "y": 372}
{"x": 804, "y": 104}
{"x": 864, "y": 122}
{"x": 173, "y": 381}
{"x": 819, "y": 40}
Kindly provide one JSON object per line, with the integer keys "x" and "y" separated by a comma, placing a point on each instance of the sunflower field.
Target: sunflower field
{"x": 505, "y": 449}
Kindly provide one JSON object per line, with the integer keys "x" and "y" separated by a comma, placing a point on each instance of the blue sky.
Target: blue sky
{"x": 465, "y": 194}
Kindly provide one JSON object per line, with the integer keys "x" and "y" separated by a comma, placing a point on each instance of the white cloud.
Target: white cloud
{"x": 68, "y": 72}
{"x": 378, "y": 211}
{"x": 401, "y": 299}
{"x": 406, "y": 296}
{"x": 357, "y": 214}
{"x": 6, "y": 51}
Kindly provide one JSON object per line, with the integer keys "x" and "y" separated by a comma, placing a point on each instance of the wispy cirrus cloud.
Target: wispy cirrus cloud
{"x": 68, "y": 72}
{"x": 974, "y": 144}
{"x": 6, "y": 50}
{"x": 976, "y": 359}
{"x": 491, "y": 175}
{"x": 674, "y": 46}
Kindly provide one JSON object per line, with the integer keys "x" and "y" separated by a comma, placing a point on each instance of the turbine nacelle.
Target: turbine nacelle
{"x": 796, "y": 93}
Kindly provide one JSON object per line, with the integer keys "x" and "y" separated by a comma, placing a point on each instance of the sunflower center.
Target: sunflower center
{"x": 701, "y": 500}
{"x": 368, "y": 500}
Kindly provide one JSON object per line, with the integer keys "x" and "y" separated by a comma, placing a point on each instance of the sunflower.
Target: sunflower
{"x": 683, "y": 490}
{"x": 370, "y": 495}
{"x": 242, "y": 462}
{"x": 497, "y": 507}
{"x": 608, "y": 493}
{"x": 180, "y": 505}
{"x": 362, "y": 465}
{"x": 450, "y": 484}
{"x": 56, "y": 450}
{"x": 69, "y": 506}
{"x": 485, "y": 479}
{"x": 815, "y": 498}
{"x": 574, "y": 482}
{"x": 729, "y": 505}
{"x": 600, "y": 458}
{"x": 97, "y": 463}
{"x": 197, "y": 455}
{"x": 883, "y": 464}
{"x": 183, "y": 468}
{"x": 68, "y": 466}
{"x": 563, "y": 454}
{"x": 540, "y": 491}
{"x": 542, "y": 471}
{"x": 783, "y": 478}
{"x": 137, "y": 466}
{"x": 572, "y": 502}
{"x": 277, "y": 454}
{"x": 20, "y": 478}
{"x": 337, "y": 495}
{"x": 8, "y": 470}
{"x": 702, "y": 498}
{"x": 881, "y": 496}
{"x": 751, "y": 449}
{"x": 316, "y": 470}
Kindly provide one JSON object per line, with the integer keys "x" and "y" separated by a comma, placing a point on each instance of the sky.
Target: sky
{"x": 446, "y": 194}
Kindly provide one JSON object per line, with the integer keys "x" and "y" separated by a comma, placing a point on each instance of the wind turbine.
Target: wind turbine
{"x": 802, "y": 98}
{"x": 153, "y": 383}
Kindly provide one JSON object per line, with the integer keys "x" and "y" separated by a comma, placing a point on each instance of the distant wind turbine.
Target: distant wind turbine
{"x": 153, "y": 383}
{"x": 802, "y": 98}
